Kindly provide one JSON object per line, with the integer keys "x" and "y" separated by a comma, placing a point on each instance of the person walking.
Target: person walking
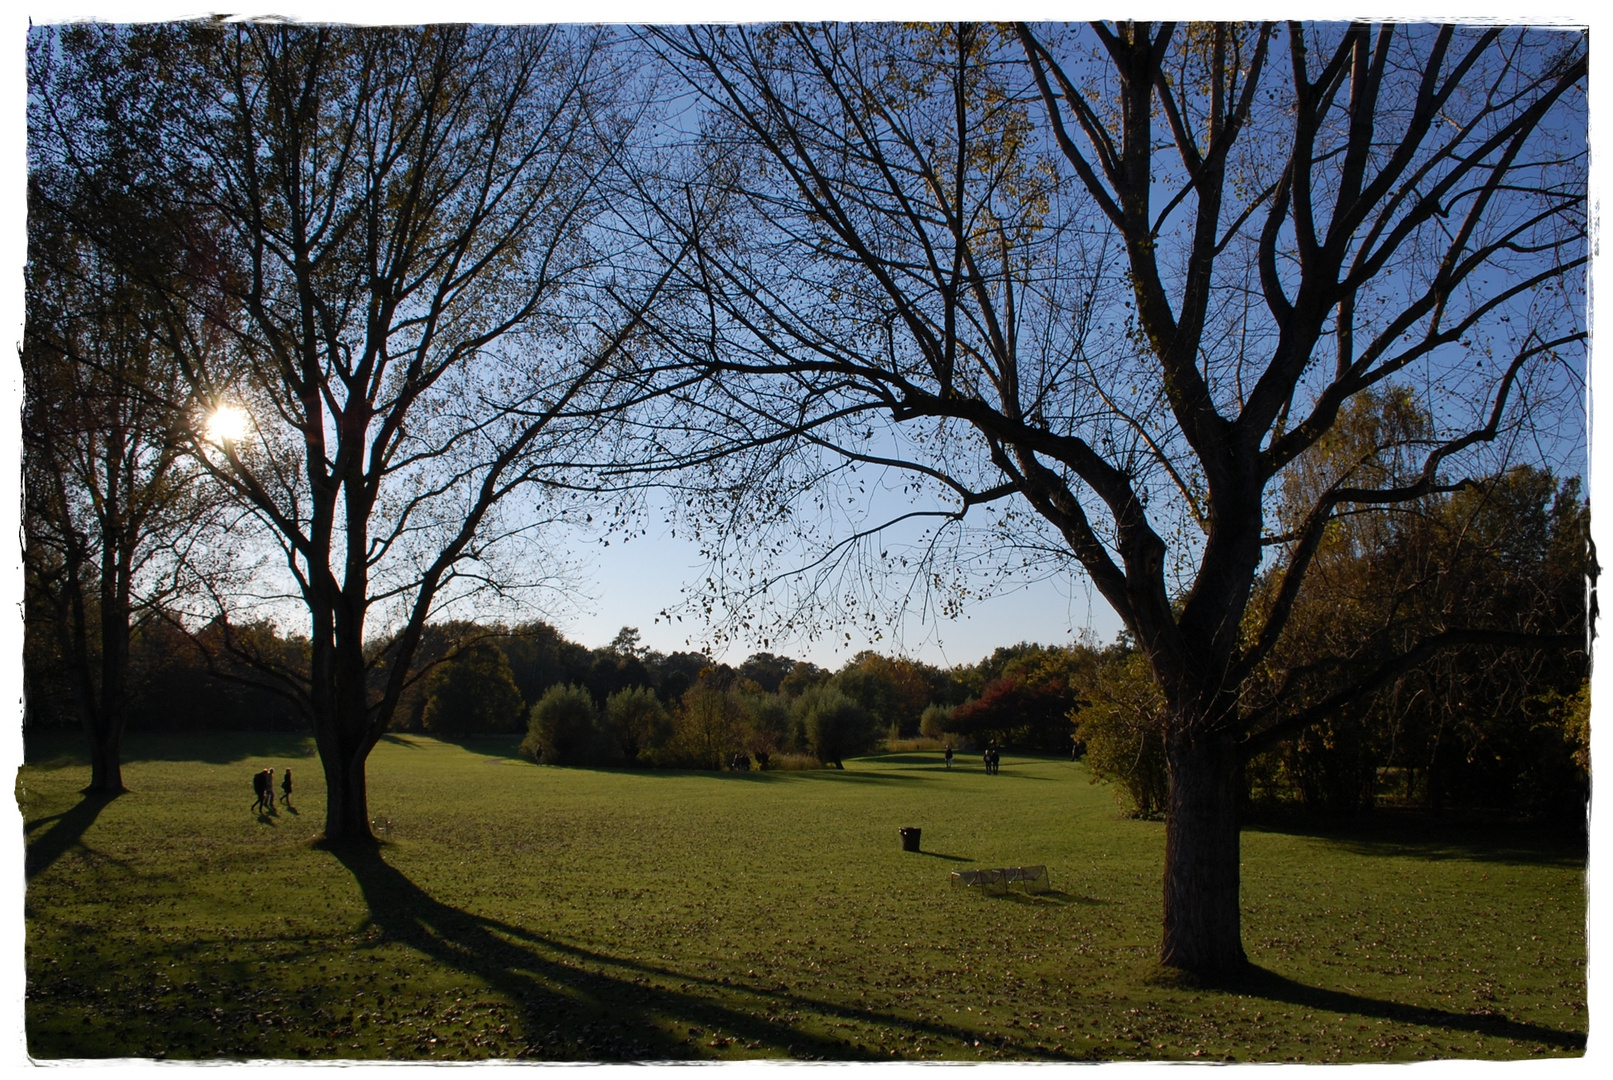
{"x": 949, "y": 755}
{"x": 285, "y": 787}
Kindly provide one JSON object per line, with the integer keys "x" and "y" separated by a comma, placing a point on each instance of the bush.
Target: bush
{"x": 793, "y": 762}
{"x": 636, "y": 723}
{"x": 772, "y": 727}
{"x": 1030, "y": 712}
{"x": 908, "y": 746}
{"x": 836, "y": 727}
{"x": 708, "y": 727}
{"x": 565, "y": 725}
{"x": 1123, "y": 728}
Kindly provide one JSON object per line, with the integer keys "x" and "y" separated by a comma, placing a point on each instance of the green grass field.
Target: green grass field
{"x": 549, "y": 913}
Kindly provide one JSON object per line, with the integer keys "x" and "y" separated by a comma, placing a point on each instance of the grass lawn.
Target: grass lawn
{"x": 550, "y": 913}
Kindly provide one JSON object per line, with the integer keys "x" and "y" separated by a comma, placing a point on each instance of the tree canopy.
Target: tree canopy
{"x": 1117, "y": 280}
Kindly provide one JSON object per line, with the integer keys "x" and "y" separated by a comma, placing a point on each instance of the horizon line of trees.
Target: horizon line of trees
{"x": 1509, "y": 735}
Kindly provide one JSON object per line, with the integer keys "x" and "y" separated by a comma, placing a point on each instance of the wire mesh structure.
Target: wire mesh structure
{"x": 1029, "y": 879}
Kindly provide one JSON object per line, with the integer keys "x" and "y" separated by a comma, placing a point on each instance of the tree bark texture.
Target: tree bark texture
{"x": 106, "y": 761}
{"x": 345, "y": 727}
{"x": 1202, "y": 928}
{"x": 347, "y": 807}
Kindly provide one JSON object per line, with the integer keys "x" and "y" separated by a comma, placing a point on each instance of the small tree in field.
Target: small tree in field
{"x": 709, "y": 725}
{"x": 1119, "y": 722}
{"x": 637, "y": 722}
{"x": 934, "y": 720}
{"x": 836, "y": 727}
{"x": 564, "y": 726}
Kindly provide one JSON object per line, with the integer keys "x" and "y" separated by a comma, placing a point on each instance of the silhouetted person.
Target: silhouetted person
{"x": 285, "y": 786}
{"x": 260, "y": 786}
{"x": 949, "y": 755}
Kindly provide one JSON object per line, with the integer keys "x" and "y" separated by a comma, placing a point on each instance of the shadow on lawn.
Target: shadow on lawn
{"x": 58, "y": 750}
{"x": 400, "y": 740}
{"x": 627, "y": 1013}
{"x": 787, "y": 776}
{"x": 64, "y": 833}
{"x": 1050, "y": 898}
{"x": 1425, "y": 837}
{"x": 1258, "y": 982}
{"x": 492, "y": 747}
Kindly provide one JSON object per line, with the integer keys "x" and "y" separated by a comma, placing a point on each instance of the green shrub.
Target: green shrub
{"x": 909, "y": 746}
{"x": 772, "y": 726}
{"x": 836, "y": 727}
{"x": 1123, "y": 729}
{"x": 793, "y": 762}
{"x": 636, "y": 723}
{"x": 565, "y": 724}
{"x": 709, "y": 725}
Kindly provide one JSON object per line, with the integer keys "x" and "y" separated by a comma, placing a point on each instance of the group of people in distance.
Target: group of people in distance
{"x": 990, "y": 757}
{"x": 263, "y": 787}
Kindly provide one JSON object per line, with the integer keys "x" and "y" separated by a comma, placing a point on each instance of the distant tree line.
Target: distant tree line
{"x": 1510, "y": 734}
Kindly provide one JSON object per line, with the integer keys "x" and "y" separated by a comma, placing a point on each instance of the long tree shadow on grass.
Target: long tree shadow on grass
{"x": 1430, "y": 838}
{"x": 65, "y": 831}
{"x": 779, "y": 776}
{"x": 219, "y": 748}
{"x": 401, "y": 740}
{"x": 572, "y": 993}
{"x": 501, "y": 747}
{"x": 57, "y": 750}
{"x": 1256, "y": 981}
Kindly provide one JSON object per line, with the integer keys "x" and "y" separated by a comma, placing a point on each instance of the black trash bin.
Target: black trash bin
{"x": 910, "y": 838}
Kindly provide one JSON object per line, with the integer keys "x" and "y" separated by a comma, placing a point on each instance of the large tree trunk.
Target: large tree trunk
{"x": 106, "y": 761}
{"x": 342, "y": 732}
{"x": 1202, "y": 931}
{"x": 109, "y": 720}
{"x": 347, "y": 806}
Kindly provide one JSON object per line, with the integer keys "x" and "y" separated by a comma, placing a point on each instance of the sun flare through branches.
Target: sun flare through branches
{"x": 228, "y": 423}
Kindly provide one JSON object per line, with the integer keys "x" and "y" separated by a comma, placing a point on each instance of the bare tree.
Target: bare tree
{"x": 1123, "y": 277}
{"x": 119, "y": 525}
{"x": 417, "y": 316}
